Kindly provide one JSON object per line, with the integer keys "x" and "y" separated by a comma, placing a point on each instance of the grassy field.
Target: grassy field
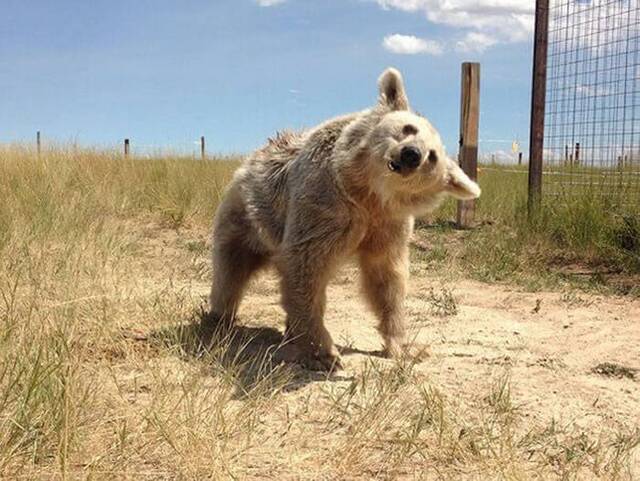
{"x": 104, "y": 268}
{"x": 584, "y": 241}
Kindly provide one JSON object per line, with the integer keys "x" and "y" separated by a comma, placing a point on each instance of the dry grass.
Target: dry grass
{"x": 587, "y": 241}
{"x": 103, "y": 270}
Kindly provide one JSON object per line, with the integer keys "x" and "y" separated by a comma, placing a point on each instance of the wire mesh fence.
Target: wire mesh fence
{"x": 592, "y": 114}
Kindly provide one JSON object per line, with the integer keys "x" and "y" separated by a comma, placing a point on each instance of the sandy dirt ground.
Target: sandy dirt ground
{"x": 570, "y": 357}
{"x": 551, "y": 343}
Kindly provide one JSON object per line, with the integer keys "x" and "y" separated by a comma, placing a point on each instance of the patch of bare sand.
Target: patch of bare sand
{"x": 548, "y": 342}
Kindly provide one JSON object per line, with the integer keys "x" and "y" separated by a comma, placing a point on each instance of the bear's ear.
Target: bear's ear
{"x": 458, "y": 184}
{"x": 392, "y": 92}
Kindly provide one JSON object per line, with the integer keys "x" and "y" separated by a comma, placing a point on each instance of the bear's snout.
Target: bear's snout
{"x": 408, "y": 160}
{"x": 410, "y": 157}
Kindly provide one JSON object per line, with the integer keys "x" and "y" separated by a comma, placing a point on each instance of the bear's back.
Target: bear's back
{"x": 274, "y": 175}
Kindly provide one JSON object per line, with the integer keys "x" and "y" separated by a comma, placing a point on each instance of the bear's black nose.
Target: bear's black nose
{"x": 410, "y": 157}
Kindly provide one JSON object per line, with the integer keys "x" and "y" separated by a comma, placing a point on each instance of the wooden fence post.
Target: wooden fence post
{"x": 538, "y": 98}
{"x": 202, "y": 148}
{"x": 519, "y": 158}
{"x": 38, "y": 142}
{"x": 126, "y": 147}
{"x": 469, "y": 123}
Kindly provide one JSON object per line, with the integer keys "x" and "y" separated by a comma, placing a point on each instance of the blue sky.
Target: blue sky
{"x": 165, "y": 72}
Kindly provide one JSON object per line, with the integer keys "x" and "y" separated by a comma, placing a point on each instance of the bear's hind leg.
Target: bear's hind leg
{"x": 233, "y": 266}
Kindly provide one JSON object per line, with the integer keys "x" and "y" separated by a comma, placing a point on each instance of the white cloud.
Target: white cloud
{"x": 502, "y": 21}
{"x": 475, "y": 42}
{"x": 593, "y": 90}
{"x": 269, "y": 3}
{"x": 597, "y": 25}
{"x": 410, "y": 45}
{"x": 498, "y": 156}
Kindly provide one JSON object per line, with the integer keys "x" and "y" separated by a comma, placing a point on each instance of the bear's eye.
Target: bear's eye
{"x": 409, "y": 129}
{"x": 432, "y": 157}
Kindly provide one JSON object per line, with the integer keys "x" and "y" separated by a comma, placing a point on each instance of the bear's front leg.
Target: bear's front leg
{"x": 305, "y": 274}
{"x": 384, "y": 277}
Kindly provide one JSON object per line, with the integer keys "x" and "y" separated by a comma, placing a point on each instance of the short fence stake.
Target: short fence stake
{"x": 469, "y": 121}
{"x": 202, "y": 148}
{"x": 38, "y": 143}
{"x": 126, "y": 147}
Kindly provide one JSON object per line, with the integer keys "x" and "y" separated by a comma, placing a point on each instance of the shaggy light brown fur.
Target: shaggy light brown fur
{"x": 307, "y": 201}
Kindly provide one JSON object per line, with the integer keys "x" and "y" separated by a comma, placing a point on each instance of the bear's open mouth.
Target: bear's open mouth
{"x": 393, "y": 167}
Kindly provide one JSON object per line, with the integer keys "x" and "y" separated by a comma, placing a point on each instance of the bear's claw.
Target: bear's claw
{"x": 325, "y": 363}
{"x": 320, "y": 361}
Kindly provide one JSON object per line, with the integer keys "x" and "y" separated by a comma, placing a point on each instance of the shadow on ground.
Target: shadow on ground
{"x": 250, "y": 354}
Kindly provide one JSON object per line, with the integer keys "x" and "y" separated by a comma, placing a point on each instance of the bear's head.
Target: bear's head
{"x": 406, "y": 156}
